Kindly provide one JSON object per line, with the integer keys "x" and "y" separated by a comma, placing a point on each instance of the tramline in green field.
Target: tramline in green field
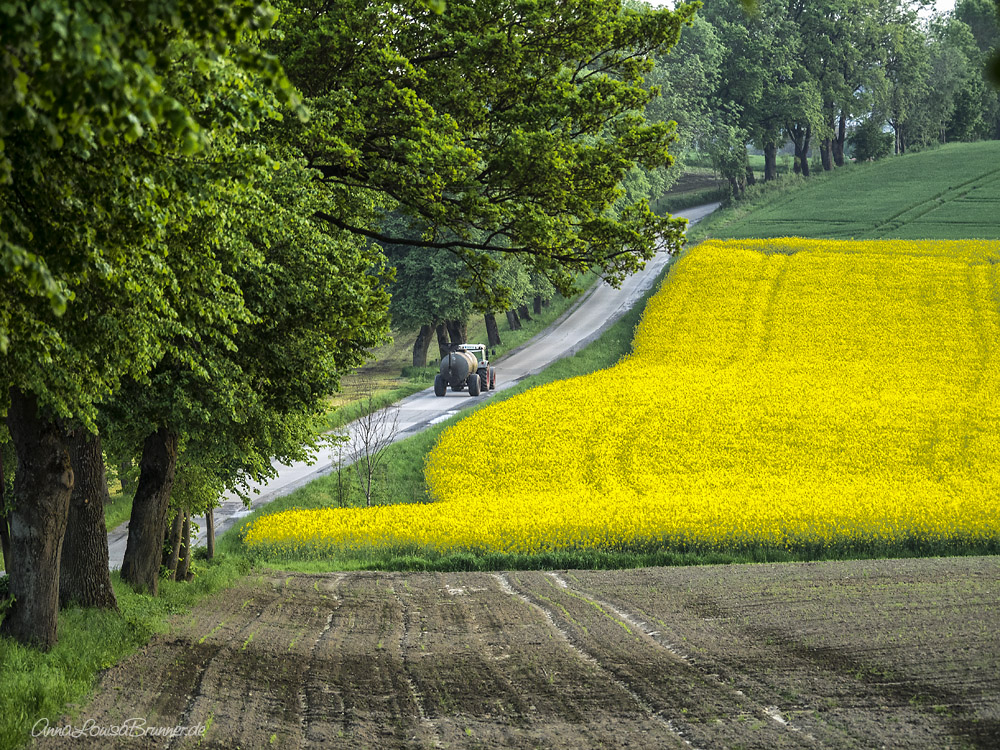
{"x": 949, "y": 193}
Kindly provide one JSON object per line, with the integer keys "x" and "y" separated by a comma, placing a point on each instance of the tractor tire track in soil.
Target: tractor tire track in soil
{"x": 884, "y": 653}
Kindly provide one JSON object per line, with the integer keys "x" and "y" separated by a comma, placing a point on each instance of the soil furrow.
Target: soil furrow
{"x": 706, "y": 713}
{"x": 567, "y": 629}
{"x": 877, "y": 641}
{"x": 852, "y": 655}
{"x": 253, "y": 686}
{"x": 658, "y": 637}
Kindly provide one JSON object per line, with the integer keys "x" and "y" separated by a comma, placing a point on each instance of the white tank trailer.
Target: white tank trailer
{"x": 461, "y": 369}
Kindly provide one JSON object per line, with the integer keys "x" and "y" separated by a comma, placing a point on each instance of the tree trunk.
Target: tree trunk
{"x": 840, "y": 140}
{"x": 537, "y": 304}
{"x": 492, "y": 332}
{"x": 458, "y": 331}
{"x": 513, "y": 321}
{"x": 141, "y": 566}
{"x": 172, "y": 548}
{"x": 736, "y": 186}
{"x": 43, "y": 484}
{"x": 805, "y": 151}
{"x": 421, "y": 345}
{"x": 123, "y": 469}
{"x": 751, "y": 179}
{"x": 522, "y": 311}
{"x": 900, "y": 141}
{"x": 799, "y": 136}
{"x": 826, "y": 153}
{"x": 443, "y": 342}
{"x": 770, "y": 161}
{"x": 801, "y": 164}
{"x": 184, "y": 564}
{"x": 84, "y": 578}
{"x": 210, "y": 533}
{"x": 4, "y": 523}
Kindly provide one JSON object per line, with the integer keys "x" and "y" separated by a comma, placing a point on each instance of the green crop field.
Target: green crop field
{"x": 948, "y": 193}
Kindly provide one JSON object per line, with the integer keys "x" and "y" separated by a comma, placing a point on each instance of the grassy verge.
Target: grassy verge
{"x": 366, "y": 404}
{"x": 118, "y": 510}
{"x": 672, "y": 203}
{"x": 591, "y": 559}
{"x": 35, "y": 685}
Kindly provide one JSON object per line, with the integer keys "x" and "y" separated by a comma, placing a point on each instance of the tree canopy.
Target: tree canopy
{"x": 499, "y": 127}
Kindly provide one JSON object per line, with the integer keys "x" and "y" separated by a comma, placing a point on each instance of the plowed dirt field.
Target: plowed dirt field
{"x": 900, "y": 653}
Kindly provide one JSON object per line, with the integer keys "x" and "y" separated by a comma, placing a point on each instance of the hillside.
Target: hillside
{"x": 795, "y": 395}
{"x": 952, "y": 192}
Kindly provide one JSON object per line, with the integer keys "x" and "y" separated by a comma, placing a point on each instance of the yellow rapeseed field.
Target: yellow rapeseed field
{"x": 787, "y": 393}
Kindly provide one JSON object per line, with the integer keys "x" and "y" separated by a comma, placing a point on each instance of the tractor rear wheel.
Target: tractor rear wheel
{"x": 493, "y": 378}
{"x": 440, "y": 387}
{"x": 484, "y": 380}
{"x": 473, "y": 383}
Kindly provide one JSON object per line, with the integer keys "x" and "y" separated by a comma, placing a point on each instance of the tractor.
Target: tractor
{"x": 461, "y": 368}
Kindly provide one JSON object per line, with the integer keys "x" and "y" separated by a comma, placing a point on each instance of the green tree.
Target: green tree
{"x": 688, "y": 77}
{"x": 983, "y": 17}
{"x": 869, "y": 141}
{"x": 502, "y": 127}
{"x": 92, "y": 130}
{"x": 248, "y": 372}
{"x": 88, "y": 76}
{"x": 427, "y": 292}
{"x": 907, "y": 71}
{"x": 954, "y": 94}
{"x": 756, "y": 86}
{"x": 840, "y": 47}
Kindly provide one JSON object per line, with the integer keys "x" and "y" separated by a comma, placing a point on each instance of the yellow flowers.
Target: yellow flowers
{"x": 782, "y": 393}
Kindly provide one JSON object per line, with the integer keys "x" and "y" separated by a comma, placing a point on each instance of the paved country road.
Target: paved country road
{"x": 601, "y": 306}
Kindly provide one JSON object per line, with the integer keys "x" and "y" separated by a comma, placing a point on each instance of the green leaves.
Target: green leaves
{"x": 101, "y": 111}
{"x": 499, "y": 127}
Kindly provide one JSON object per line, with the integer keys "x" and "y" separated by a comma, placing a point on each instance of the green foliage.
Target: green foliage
{"x": 868, "y": 141}
{"x": 100, "y": 175}
{"x": 80, "y": 80}
{"x": 496, "y": 127}
{"x": 688, "y": 76}
{"x": 251, "y": 363}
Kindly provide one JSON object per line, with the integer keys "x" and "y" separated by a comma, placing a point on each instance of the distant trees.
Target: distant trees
{"x": 807, "y": 73}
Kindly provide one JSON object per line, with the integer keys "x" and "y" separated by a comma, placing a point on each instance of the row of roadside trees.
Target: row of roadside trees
{"x": 194, "y": 201}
